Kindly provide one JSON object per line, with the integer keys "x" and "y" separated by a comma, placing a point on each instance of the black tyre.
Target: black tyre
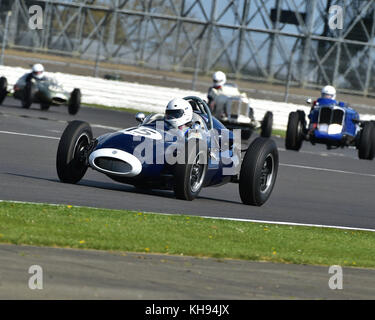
{"x": 366, "y": 149}
{"x": 246, "y": 134}
{"x": 3, "y": 89}
{"x": 294, "y": 132}
{"x": 267, "y": 124}
{"x": 74, "y": 102}
{"x": 258, "y": 172}
{"x": 189, "y": 177}
{"x": 70, "y": 164}
{"x": 27, "y": 100}
{"x": 372, "y": 142}
{"x": 44, "y": 106}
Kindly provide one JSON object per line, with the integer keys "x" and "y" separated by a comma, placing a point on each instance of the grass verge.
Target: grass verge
{"x": 127, "y": 110}
{"x": 115, "y": 230}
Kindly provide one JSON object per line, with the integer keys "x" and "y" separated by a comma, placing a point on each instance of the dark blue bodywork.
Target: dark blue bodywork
{"x": 333, "y": 112}
{"x": 158, "y": 172}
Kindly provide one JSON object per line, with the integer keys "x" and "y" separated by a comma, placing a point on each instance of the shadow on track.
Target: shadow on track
{"x": 104, "y": 186}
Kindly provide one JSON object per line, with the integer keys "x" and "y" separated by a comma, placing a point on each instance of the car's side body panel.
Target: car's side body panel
{"x": 155, "y": 145}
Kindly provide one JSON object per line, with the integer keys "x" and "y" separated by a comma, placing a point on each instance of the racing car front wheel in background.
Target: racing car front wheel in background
{"x": 3, "y": 89}
{"x": 366, "y": 148}
{"x": 70, "y": 162}
{"x": 258, "y": 172}
{"x": 44, "y": 106}
{"x": 267, "y": 123}
{"x": 246, "y": 133}
{"x": 294, "y": 132}
{"x": 27, "y": 96}
{"x": 74, "y": 102}
{"x": 189, "y": 177}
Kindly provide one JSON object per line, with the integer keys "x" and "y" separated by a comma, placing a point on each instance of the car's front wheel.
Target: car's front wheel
{"x": 366, "y": 148}
{"x": 71, "y": 164}
{"x": 294, "y": 132}
{"x": 44, "y": 106}
{"x": 27, "y": 100}
{"x": 75, "y": 102}
{"x": 3, "y": 89}
{"x": 267, "y": 124}
{"x": 258, "y": 172}
{"x": 189, "y": 177}
{"x": 246, "y": 133}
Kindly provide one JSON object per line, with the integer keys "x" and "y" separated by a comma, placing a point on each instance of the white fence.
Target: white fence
{"x": 149, "y": 98}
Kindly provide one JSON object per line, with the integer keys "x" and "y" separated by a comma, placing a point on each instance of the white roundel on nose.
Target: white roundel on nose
{"x": 143, "y": 132}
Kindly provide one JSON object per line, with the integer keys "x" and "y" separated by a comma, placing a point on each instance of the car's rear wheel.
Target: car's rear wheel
{"x": 71, "y": 164}
{"x": 267, "y": 124}
{"x": 366, "y": 148}
{"x": 294, "y": 132}
{"x": 75, "y": 102}
{"x": 27, "y": 100}
{"x": 258, "y": 172}
{"x": 246, "y": 133}
{"x": 3, "y": 89}
{"x": 44, "y": 106}
{"x": 189, "y": 177}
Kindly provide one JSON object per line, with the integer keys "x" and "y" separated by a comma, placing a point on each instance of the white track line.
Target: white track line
{"x": 281, "y": 164}
{"x": 291, "y": 224}
{"x": 327, "y": 170}
{"x": 215, "y": 218}
{"x": 29, "y": 135}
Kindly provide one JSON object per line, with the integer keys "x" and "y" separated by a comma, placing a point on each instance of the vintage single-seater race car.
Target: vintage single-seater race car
{"x": 233, "y": 109}
{"x": 334, "y": 124}
{"x": 47, "y": 92}
{"x": 206, "y": 155}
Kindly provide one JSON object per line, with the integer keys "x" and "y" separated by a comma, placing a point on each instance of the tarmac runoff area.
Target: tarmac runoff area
{"x": 89, "y": 274}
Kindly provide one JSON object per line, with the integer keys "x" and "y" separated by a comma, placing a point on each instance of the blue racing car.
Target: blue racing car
{"x": 334, "y": 124}
{"x": 156, "y": 155}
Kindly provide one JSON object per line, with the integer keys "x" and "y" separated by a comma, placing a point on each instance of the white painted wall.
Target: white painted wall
{"x": 148, "y": 97}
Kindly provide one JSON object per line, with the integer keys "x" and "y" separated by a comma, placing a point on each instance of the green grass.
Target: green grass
{"x": 114, "y": 230}
{"x": 128, "y": 110}
{"x": 279, "y": 133}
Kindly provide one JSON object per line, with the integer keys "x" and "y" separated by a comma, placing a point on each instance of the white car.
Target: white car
{"x": 233, "y": 109}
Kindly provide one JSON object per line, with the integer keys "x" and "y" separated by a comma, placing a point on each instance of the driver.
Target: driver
{"x": 179, "y": 114}
{"x": 219, "y": 79}
{"x": 37, "y": 73}
{"x": 328, "y": 92}
{"x": 219, "y": 88}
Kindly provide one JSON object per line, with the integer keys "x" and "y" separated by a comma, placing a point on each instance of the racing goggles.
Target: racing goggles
{"x": 174, "y": 114}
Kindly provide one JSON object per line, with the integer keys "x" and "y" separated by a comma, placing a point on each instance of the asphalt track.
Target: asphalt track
{"x": 314, "y": 186}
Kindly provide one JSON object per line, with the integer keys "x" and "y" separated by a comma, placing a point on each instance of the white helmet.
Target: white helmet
{"x": 38, "y": 71}
{"x": 178, "y": 112}
{"x": 329, "y": 92}
{"x": 219, "y": 78}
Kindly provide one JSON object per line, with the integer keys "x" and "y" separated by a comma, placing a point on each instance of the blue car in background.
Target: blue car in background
{"x": 334, "y": 124}
{"x": 209, "y": 153}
